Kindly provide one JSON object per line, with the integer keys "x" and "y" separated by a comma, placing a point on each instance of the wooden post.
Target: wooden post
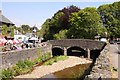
{"x": 88, "y": 51}
{"x": 65, "y": 51}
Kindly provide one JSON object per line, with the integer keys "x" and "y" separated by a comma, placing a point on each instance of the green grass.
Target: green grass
{"x": 55, "y": 59}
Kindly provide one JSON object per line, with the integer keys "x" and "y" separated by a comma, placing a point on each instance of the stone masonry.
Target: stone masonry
{"x": 102, "y": 66}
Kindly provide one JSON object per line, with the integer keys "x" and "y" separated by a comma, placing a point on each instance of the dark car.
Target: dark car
{"x": 112, "y": 42}
{"x": 118, "y": 42}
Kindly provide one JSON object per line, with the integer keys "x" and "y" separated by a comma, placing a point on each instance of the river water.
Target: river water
{"x": 72, "y": 72}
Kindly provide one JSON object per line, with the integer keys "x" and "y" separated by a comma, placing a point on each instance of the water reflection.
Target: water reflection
{"x": 72, "y": 72}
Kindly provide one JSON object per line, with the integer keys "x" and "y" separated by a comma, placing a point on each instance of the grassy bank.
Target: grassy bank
{"x": 22, "y": 67}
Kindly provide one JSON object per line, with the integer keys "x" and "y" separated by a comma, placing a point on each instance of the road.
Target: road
{"x": 115, "y": 57}
{"x": 114, "y": 54}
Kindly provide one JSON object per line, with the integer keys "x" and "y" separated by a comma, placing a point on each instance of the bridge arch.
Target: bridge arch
{"x": 57, "y": 51}
{"x": 94, "y": 53}
{"x": 76, "y": 51}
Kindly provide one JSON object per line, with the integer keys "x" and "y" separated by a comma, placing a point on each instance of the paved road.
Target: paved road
{"x": 115, "y": 58}
{"x": 114, "y": 54}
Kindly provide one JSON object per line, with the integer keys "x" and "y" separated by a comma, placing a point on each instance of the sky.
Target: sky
{"x": 35, "y": 13}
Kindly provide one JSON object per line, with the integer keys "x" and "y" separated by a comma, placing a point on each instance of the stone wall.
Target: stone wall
{"x": 10, "y": 58}
{"x": 101, "y": 69}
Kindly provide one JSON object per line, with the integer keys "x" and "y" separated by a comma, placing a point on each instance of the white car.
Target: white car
{"x": 103, "y": 39}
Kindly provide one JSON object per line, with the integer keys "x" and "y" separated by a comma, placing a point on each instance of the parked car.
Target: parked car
{"x": 112, "y": 42}
{"x": 103, "y": 39}
{"x": 118, "y": 42}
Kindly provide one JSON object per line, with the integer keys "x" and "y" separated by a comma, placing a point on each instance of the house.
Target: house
{"x": 7, "y": 22}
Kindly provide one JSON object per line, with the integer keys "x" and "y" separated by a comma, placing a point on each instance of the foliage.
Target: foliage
{"x": 42, "y": 58}
{"x": 86, "y": 24}
{"x": 45, "y": 56}
{"x": 8, "y": 31}
{"x": 110, "y": 15}
{"x": 55, "y": 59}
{"x": 61, "y": 35}
{"x": 57, "y": 23}
{"x": 26, "y": 29}
{"x": 7, "y": 73}
{"x": 22, "y": 67}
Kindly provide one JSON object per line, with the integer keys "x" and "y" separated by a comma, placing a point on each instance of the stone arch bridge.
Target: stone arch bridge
{"x": 77, "y": 47}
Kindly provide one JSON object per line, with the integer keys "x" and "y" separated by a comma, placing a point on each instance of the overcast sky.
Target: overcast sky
{"x": 35, "y": 13}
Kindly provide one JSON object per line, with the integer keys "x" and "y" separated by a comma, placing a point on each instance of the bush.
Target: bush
{"x": 45, "y": 56}
{"x": 38, "y": 60}
{"x": 7, "y": 74}
{"x": 23, "y": 67}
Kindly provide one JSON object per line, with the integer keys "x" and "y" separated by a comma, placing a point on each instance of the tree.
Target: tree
{"x": 57, "y": 23}
{"x": 86, "y": 24}
{"x": 110, "y": 15}
{"x": 8, "y": 31}
{"x": 44, "y": 31}
{"x": 61, "y": 35}
{"x": 67, "y": 13}
{"x": 25, "y": 29}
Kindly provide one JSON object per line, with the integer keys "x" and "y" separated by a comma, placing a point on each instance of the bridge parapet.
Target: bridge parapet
{"x": 82, "y": 43}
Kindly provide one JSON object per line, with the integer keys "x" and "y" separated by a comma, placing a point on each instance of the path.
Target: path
{"x": 114, "y": 58}
{"x": 60, "y": 65}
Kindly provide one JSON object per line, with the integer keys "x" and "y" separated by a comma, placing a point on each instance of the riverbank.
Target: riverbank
{"x": 60, "y": 65}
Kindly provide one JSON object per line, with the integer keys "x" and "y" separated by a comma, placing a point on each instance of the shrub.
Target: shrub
{"x": 7, "y": 74}
{"x": 23, "y": 67}
{"x": 38, "y": 60}
{"x": 45, "y": 56}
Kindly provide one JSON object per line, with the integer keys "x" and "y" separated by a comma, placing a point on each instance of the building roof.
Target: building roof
{"x": 5, "y": 20}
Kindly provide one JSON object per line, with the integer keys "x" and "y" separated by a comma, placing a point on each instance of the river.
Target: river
{"x": 71, "y": 72}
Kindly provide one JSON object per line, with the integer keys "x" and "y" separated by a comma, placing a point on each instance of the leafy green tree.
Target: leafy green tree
{"x": 61, "y": 35}
{"x": 25, "y": 28}
{"x": 4, "y": 29}
{"x": 8, "y": 31}
{"x": 110, "y": 15}
{"x": 60, "y": 21}
{"x": 86, "y": 24}
{"x": 44, "y": 31}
